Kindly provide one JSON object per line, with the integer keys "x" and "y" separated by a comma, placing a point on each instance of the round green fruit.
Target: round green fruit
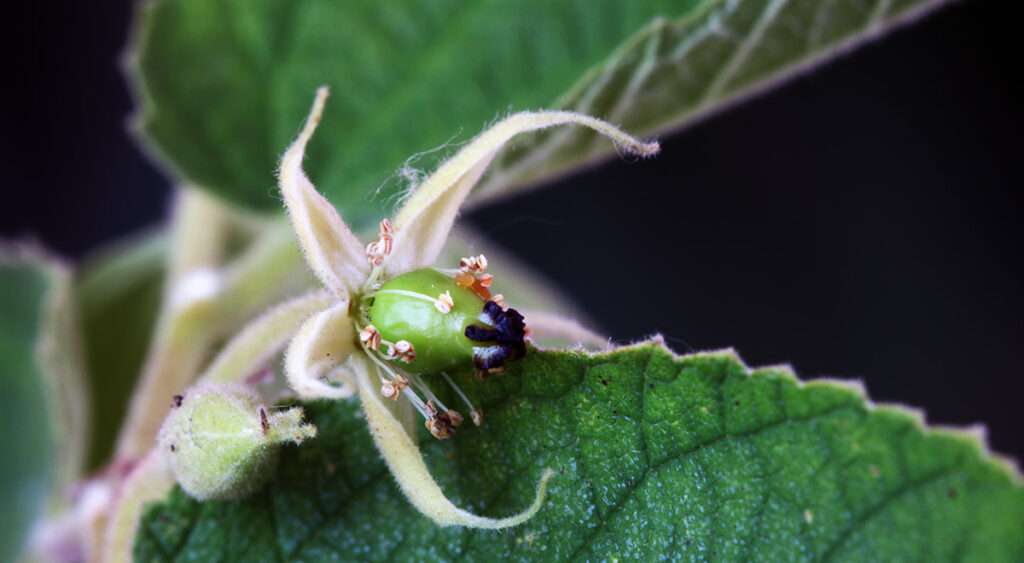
{"x": 471, "y": 332}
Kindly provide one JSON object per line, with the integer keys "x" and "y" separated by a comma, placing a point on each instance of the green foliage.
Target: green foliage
{"x": 225, "y": 84}
{"x": 655, "y": 456}
{"x": 27, "y": 448}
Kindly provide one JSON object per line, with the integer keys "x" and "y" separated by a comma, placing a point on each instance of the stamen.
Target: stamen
{"x": 370, "y": 337}
{"x": 400, "y": 383}
{"x": 475, "y": 264}
{"x": 444, "y": 303}
{"x": 417, "y": 382}
{"x": 406, "y": 351}
{"x": 474, "y": 413}
{"x": 374, "y": 254}
{"x": 485, "y": 280}
{"x": 465, "y": 279}
{"x": 440, "y": 424}
{"x": 402, "y": 350}
{"x": 499, "y": 300}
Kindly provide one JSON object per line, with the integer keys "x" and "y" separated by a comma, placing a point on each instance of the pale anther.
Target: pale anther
{"x": 444, "y": 303}
{"x": 475, "y": 264}
{"x": 477, "y": 415}
{"x": 499, "y": 299}
{"x": 389, "y": 390}
{"x": 405, "y": 351}
{"x": 370, "y": 337}
{"x": 401, "y": 383}
{"x": 486, "y": 279}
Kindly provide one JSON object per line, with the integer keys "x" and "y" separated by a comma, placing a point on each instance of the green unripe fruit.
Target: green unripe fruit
{"x": 466, "y": 331}
{"x": 221, "y": 443}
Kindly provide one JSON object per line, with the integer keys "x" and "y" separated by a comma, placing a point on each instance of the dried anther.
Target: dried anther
{"x": 475, "y": 264}
{"x": 477, "y": 415}
{"x": 389, "y": 390}
{"x": 440, "y": 426}
{"x": 455, "y": 416}
{"x": 377, "y": 251}
{"x": 402, "y": 350}
{"x": 370, "y": 337}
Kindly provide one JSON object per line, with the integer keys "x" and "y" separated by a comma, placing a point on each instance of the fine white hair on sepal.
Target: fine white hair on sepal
{"x": 410, "y": 471}
{"x": 314, "y": 357}
{"x": 333, "y": 253}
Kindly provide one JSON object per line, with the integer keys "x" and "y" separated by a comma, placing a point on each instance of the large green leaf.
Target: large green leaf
{"x": 656, "y": 457}
{"x": 28, "y": 446}
{"x": 225, "y": 84}
{"x": 118, "y": 294}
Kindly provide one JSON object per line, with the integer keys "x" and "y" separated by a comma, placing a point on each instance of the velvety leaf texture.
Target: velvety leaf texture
{"x": 656, "y": 457}
{"x": 225, "y": 84}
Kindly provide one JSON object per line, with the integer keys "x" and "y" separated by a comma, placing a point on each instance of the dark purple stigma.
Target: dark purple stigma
{"x": 507, "y": 335}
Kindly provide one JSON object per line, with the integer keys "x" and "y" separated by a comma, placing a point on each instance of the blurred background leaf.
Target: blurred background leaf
{"x": 42, "y": 396}
{"x": 118, "y": 294}
{"x": 225, "y": 85}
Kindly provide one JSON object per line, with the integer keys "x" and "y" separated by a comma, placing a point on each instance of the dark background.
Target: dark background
{"x": 862, "y": 221}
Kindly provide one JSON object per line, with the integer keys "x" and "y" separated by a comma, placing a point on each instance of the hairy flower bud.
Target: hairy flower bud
{"x": 221, "y": 443}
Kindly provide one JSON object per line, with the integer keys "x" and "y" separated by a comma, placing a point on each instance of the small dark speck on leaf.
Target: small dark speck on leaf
{"x": 737, "y": 403}
{"x": 688, "y": 542}
{"x": 629, "y": 482}
{"x": 178, "y": 399}
{"x": 650, "y": 386}
{"x": 951, "y": 493}
{"x": 173, "y": 448}
{"x": 605, "y": 383}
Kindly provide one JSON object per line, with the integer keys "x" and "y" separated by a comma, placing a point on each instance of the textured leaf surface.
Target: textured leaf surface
{"x": 28, "y": 446}
{"x": 118, "y": 296}
{"x": 225, "y": 84}
{"x": 656, "y": 457}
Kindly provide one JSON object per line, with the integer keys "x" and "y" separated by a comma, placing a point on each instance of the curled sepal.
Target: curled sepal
{"x": 325, "y": 341}
{"x": 332, "y": 251}
{"x": 423, "y": 223}
{"x": 221, "y": 443}
{"x": 407, "y": 465}
{"x": 263, "y": 338}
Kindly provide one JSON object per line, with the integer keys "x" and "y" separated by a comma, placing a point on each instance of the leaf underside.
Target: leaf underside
{"x": 656, "y": 456}
{"x": 225, "y": 84}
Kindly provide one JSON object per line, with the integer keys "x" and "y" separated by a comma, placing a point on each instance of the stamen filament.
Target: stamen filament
{"x": 418, "y": 383}
{"x": 458, "y": 391}
{"x": 409, "y": 393}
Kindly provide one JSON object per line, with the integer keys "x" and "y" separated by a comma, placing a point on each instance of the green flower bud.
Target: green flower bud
{"x": 221, "y": 443}
{"x": 447, "y": 325}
